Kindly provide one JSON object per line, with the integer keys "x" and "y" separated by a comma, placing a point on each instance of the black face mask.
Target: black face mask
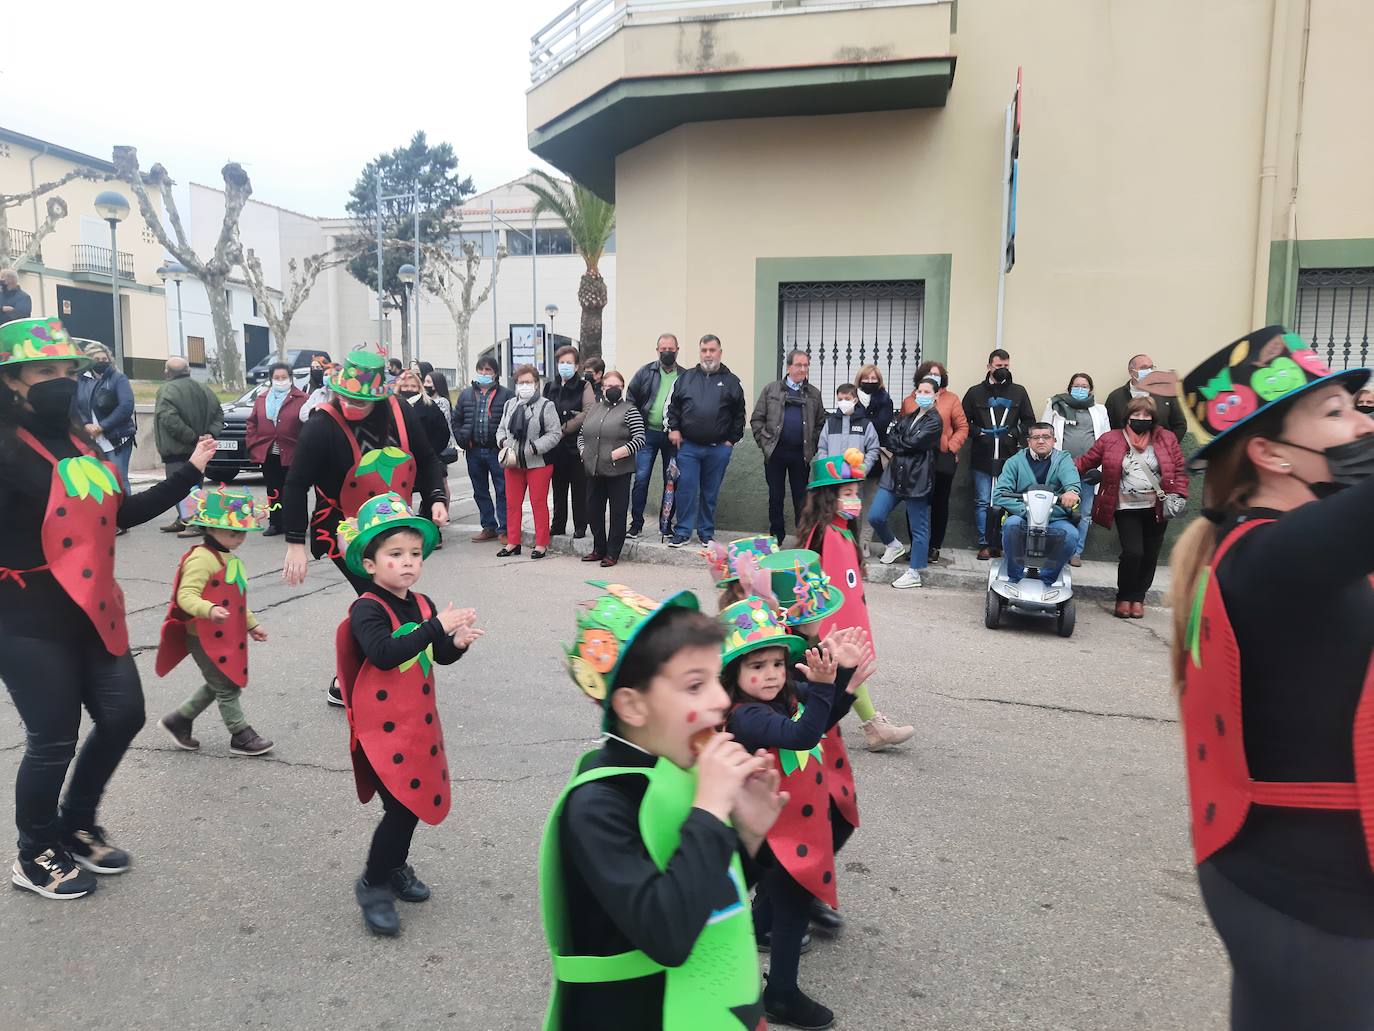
{"x": 590, "y": 377}
{"x": 869, "y": 385}
{"x": 1367, "y": 409}
{"x": 51, "y": 401}
{"x": 667, "y": 358}
{"x": 407, "y": 393}
{"x": 1141, "y": 426}
{"x": 1348, "y": 464}
{"x": 429, "y": 391}
{"x": 1001, "y": 376}
{"x": 614, "y": 394}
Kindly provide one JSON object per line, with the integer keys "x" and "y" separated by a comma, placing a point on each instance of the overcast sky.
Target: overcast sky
{"x": 302, "y": 95}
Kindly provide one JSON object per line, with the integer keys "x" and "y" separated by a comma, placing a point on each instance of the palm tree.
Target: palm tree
{"x": 590, "y": 221}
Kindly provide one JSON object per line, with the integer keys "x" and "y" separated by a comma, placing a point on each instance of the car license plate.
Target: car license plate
{"x": 226, "y": 445}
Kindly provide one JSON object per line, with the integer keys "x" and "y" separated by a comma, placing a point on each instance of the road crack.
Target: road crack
{"x": 1060, "y": 708}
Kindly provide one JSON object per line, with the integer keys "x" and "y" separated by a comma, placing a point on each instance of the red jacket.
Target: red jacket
{"x": 1109, "y": 451}
{"x": 262, "y": 434}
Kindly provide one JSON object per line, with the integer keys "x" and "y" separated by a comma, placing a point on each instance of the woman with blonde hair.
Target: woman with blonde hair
{"x": 1273, "y": 613}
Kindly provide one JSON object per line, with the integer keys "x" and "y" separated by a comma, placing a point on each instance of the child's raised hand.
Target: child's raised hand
{"x": 820, "y": 666}
{"x": 722, "y": 768}
{"x": 868, "y": 666}
{"x": 258, "y": 633}
{"x": 466, "y": 635}
{"x": 848, "y": 645}
{"x": 219, "y": 614}
{"x": 453, "y": 619}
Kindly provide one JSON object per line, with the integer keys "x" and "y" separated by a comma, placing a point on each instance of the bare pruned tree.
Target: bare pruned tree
{"x": 300, "y": 281}
{"x": 454, "y": 285}
{"x": 227, "y": 252}
{"x": 56, "y": 212}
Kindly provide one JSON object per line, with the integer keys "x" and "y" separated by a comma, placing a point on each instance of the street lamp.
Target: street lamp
{"x": 551, "y": 310}
{"x": 176, "y": 272}
{"x": 113, "y": 208}
{"x": 407, "y": 274}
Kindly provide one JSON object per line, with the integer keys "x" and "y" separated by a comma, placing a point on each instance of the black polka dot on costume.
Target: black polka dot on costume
{"x": 819, "y": 777}
{"x": 102, "y": 606}
{"x": 844, "y": 790}
{"x": 429, "y": 717}
{"x": 104, "y": 521}
{"x": 87, "y": 574}
{"x": 223, "y": 659}
{"x": 839, "y": 763}
{"x": 381, "y": 696}
{"x": 242, "y": 646}
{"x": 438, "y": 799}
{"x": 60, "y": 511}
{"x": 1202, "y": 751}
{"x": 433, "y": 749}
{"x": 66, "y": 542}
{"x": 414, "y": 782}
{"x": 1210, "y": 813}
{"x": 398, "y": 758}
{"x": 219, "y": 633}
{"x": 1221, "y": 726}
{"x": 424, "y": 689}
{"x": 112, "y": 551}
{"x": 807, "y": 810}
{"x": 214, "y": 583}
{"x": 388, "y": 726}
{"x": 802, "y": 850}
{"x": 827, "y": 877}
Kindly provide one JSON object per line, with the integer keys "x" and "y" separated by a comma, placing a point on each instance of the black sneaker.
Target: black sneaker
{"x": 52, "y": 874}
{"x": 334, "y": 696}
{"x": 632, "y": 534}
{"x": 765, "y": 942}
{"x": 379, "y": 908}
{"x": 796, "y": 1009}
{"x": 92, "y": 852}
{"x": 823, "y": 918}
{"x": 406, "y": 886}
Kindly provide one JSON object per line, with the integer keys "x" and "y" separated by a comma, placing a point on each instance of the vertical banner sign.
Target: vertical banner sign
{"x": 1013, "y": 159}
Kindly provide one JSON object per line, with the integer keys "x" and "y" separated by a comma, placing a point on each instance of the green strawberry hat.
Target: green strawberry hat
{"x": 805, "y": 594}
{"x": 38, "y": 340}
{"x": 606, "y": 629}
{"x": 752, "y": 624}
{"x": 1268, "y": 367}
{"x": 722, "y": 558}
{"x": 384, "y": 512}
{"x": 228, "y": 508}
{"x": 361, "y": 376}
{"x": 837, "y": 470}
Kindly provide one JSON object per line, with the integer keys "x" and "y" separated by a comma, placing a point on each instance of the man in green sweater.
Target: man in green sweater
{"x": 185, "y": 410}
{"x": 649, "y": 391}
{"x": 1039, "y": 464}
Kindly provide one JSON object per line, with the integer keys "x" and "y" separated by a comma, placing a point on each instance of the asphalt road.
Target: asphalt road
{"x": 1023, "y": 862}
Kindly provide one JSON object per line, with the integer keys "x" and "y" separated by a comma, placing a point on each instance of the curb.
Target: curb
{"x": 650, "y": 550}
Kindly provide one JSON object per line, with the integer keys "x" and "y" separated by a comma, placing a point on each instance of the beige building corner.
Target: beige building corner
{"x": 829, "y": 175}
{"x": 70, "y": 277}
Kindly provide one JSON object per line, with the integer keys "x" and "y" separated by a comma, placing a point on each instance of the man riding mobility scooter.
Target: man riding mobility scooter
{"x": 1039, "y": 490}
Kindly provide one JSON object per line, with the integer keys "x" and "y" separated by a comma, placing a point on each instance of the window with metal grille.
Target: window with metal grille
{"x": 845, "y": 326}
{"x": 1334, "y": 308}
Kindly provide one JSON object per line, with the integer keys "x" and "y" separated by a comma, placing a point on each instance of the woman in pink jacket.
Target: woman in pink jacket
{"x": 273, "y": 426}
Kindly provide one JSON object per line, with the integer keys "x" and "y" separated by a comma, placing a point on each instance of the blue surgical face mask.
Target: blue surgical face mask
{"x": 1079, "y": 393}
{"x": 482, "y": 379}
{"x": 925, "y": 400}
{"x": 566, "y": 371}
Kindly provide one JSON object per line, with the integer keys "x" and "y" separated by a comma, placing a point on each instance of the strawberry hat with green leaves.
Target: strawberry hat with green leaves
{"x": 384, "y": 512}
{"x": 361, "y": 377}
{"x": 38, "y": 340}
{"x": 228, "y": 508}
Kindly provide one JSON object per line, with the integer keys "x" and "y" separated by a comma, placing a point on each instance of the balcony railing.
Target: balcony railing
{"x": 88, "y": 257}
{"x": 586, "y": 23}
{"x": 19, "y": 241}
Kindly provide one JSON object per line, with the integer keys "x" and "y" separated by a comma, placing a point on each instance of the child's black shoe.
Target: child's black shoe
{"x": 379, "y": 908}
{"x": 823, "y": 918}
{"x": 406, "y": 886}
{"x": 796, "y": 1009}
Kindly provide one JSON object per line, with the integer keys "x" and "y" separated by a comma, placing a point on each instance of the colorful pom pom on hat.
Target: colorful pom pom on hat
{"x": 805, "y": 594}
{"x": 837, "y": 470}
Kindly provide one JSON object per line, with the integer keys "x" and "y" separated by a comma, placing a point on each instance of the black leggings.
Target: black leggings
{"x": 1284, "y": 973}
{"x": 50, "y": 682}
{"x": 569, "y": 478}
{"x": 391, "y": 839}
{"x": 608, "y": 537}
{"x": 1142, "y": 534}
{"x": 939, "y": 508}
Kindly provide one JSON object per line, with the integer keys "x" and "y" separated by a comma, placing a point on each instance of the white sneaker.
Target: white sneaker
{"x": 894, "y": 551}
{"x": 910, "y": 578}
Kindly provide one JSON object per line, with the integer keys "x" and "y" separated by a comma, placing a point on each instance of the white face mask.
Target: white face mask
{"x": 865, "y": 397}
{"x": 281, "y": 387}
{"x": 524, "y": 391}
{"x": 846, "y": 407}
{"x": 1142, "y": 372}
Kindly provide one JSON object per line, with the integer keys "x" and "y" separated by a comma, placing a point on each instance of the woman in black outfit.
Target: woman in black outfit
{"x": 66, "y": 645}
{"x": 611, "y": 434}
{"x": 1273, "y": 636}
{"x": 434, "y": 420}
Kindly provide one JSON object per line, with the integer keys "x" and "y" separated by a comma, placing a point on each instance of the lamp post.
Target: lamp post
{"x": 113, "y": 208}
{"x": 414, "y": 196}
{"x": 176, "y": 272}
{"x": 407, "y": 274}
{"x": 551, "y": 310}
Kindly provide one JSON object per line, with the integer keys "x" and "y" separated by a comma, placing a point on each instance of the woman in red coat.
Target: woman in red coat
{"x": 273, "y": 427}
{"x": 1140, "y": 464}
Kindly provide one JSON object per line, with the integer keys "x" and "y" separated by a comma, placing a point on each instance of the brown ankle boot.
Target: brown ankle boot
{"x": 879, "y": 733}
{"x": 178, "y": 728}
{"x": 249, "y": 742}
{"x": 1137, "y": 610}
{"x": 1123, "y": 610}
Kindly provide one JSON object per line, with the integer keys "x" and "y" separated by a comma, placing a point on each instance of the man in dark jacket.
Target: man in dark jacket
{"x": 786, "y": 425}
{"x": 649, "y": 391}
{"x": 184, "y": 411}
{"x": 705, "y": 420}
{"x": 1170, "y": 415}
{"x": 475, "y": 419}
{"x": 999, "y": 413}
{"x": 105, "y": 404}
{"x": 573, "y": 396}
{"x": 14, "y": 303}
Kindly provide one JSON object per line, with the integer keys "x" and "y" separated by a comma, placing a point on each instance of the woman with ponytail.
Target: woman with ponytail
{"x": 1273, "y": 609}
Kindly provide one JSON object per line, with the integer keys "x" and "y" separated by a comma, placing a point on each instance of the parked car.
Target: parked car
{"x": 231, "y": 449}
{"x": 298, "y": 358}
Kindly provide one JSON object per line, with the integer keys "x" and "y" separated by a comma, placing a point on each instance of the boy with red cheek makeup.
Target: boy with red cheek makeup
{"x": 792, "y": 717}
{"x": 386, "y": 650}
{"x": 647, "y": 854}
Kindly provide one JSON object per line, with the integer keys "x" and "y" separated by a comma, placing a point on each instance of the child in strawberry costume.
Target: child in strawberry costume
{"x": 386, "y": 650}
{"x": 209, "y": 618}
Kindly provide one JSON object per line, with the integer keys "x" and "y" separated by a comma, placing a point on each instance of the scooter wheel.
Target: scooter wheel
{"x": 992, "y": 612}
{"x": 1067, "y": 616}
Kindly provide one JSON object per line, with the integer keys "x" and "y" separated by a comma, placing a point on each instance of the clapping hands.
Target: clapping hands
{"x": 459, "y": 624}
{"x": 820, "y": 666}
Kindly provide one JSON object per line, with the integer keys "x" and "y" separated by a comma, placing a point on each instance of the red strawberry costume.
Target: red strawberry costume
{"x": 226, "y": 643}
